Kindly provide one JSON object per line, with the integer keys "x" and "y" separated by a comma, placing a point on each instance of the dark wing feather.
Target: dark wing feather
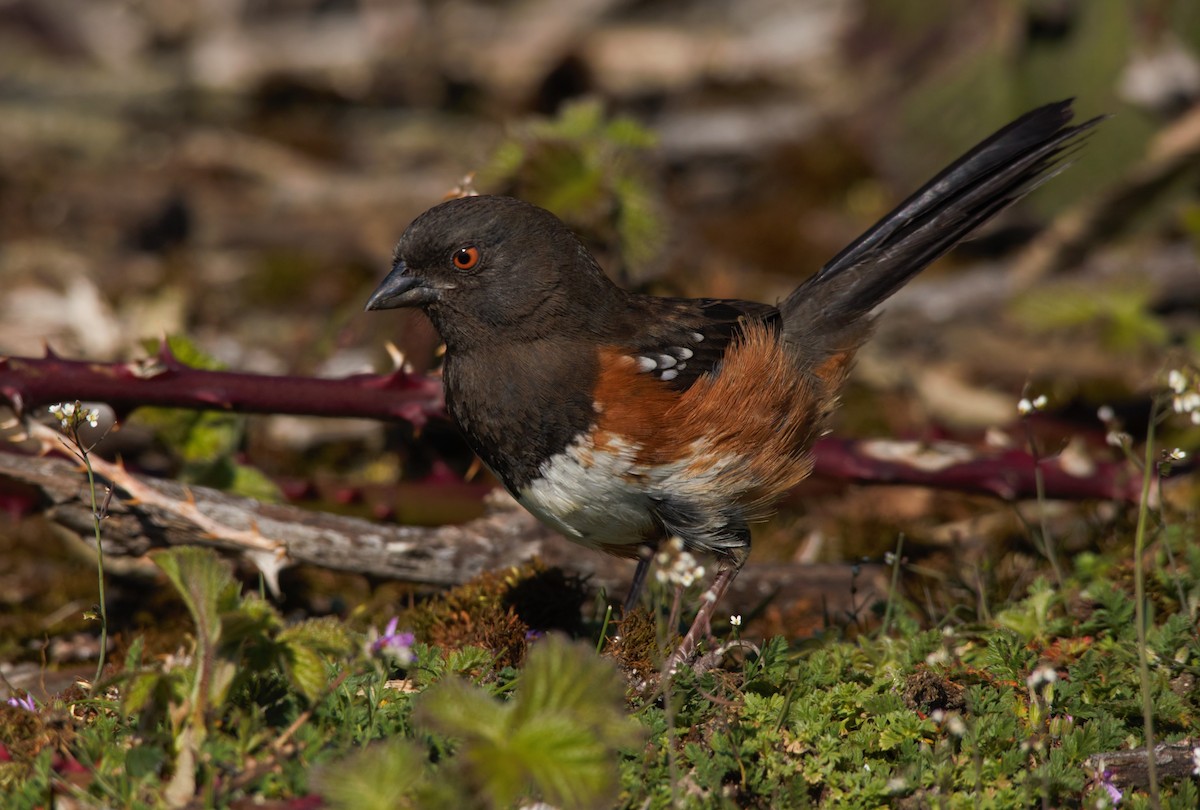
{"x": 681, "y": 339}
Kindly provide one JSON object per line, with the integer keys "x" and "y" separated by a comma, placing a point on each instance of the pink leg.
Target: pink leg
{"x": 702, "y": 624}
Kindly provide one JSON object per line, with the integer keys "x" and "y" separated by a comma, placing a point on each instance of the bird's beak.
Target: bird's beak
{"x": 401, "y": 289}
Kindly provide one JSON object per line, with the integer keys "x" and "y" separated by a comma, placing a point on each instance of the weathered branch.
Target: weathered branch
{"x": 161, "y": 513}
{"x": 1131, "y": 769}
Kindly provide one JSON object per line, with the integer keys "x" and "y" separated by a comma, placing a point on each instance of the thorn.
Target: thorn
{"x": 396, "y": 356}
{"x": 269, "y": 565}
{"x": 212, "y": 398}
{"x": 473, "y": 470}
{"x": 16, "y": 402}
{"x": 47, "y": 352}
{"x": 190, "y": 497}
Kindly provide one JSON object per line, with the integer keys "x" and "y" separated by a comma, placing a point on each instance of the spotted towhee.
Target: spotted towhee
{"x": 622, "y": 419}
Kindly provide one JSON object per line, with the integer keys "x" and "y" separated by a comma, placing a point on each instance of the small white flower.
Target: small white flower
{"x": 1042, "y": 676}
{"x": 1118, "y": 438}
{"x": 1186, "y": 403}
{"x": 956, "y": 726}
{"x": 1196, "y": 761}
{"x": 1105, "y": 414}
{"x": 1026, "y": 406}
{"x": 938, "y": 656}
{"x": 677, "y": 566}
{"x": 1176, "y": 454}
{"x": 1176, "y": 381}
{"x": 735, "y": 621}
{"x": 93, "y": 417}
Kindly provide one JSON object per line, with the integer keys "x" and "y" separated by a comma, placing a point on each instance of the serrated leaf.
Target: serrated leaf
{"x": 566, "y": 679}
{"x": 455, "y": 708}
{"x": 325, "y": 635}
{"x": 571, "y": 766}
{"x": 133, "y": 658}
{"x": 383, "y": 777}
{"x": 251, "y": 619}
{"x": 306, "y": 670}
{"x": 205, "y": 583}
{"x": 558, "y": 738}
{"x": 150, "y": 690}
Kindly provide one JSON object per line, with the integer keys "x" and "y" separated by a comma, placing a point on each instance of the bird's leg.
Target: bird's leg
{"x": 645, "y": 557}
{"x": 702, "y": 624}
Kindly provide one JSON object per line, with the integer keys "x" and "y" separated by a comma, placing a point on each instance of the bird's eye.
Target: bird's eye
{"x": 466, "y": 258}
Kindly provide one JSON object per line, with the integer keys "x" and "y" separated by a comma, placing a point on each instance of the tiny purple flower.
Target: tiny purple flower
{"x": 25, "y": 703}
{"x": 396, "y": 646}
{"x": 1114, "y": 793}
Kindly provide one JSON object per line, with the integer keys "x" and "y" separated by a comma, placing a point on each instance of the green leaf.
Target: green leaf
{"x": 570, "y": 765}
{"x": 455, "y": 708}
{"x": 558, "y": 738}
{"x": 306, "y": 669}
{"x": 566, "y": 679}
{"x": 206, "y": 584}
{"x": 133, "y": 658}
{"x": 383, "y": 777}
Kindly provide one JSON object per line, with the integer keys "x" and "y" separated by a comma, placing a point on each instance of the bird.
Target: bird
{"x": 623, "y": 420}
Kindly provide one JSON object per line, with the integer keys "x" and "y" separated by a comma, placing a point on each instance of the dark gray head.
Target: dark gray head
{"x": 486, "y": 268}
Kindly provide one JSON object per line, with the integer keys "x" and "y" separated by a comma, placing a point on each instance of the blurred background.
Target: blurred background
{"x": 237, "y": 172}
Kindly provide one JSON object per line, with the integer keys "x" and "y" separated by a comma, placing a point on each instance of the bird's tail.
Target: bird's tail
{"x": 827, "y": 313}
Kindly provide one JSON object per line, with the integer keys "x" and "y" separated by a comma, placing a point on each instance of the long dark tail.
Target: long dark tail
{"x": 828, "y": 310}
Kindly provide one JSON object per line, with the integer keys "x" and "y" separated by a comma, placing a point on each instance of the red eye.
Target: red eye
{"x": 466, "y": 258}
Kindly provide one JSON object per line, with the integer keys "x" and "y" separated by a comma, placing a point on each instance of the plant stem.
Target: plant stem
{"x": 887, "y": 612}
{"x": 1139, "y": 585}
{"x": 99, "y": 562}
{"x": 1039, "y": 483}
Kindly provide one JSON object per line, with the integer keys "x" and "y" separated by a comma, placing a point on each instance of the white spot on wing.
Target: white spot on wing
{"x": 646, "y": 363}
{"x": 669, "y": 375}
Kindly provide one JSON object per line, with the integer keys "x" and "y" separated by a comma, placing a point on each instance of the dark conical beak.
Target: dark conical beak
{"x": 401, "y": 289}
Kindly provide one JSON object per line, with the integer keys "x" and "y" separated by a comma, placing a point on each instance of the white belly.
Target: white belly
{"x": 594, "y": 497}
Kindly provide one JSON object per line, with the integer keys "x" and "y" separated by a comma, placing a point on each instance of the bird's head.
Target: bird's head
{"x": 489, "y": 267}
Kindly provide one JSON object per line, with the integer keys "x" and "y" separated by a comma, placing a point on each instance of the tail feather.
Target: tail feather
{"x": 830, "y": 308}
